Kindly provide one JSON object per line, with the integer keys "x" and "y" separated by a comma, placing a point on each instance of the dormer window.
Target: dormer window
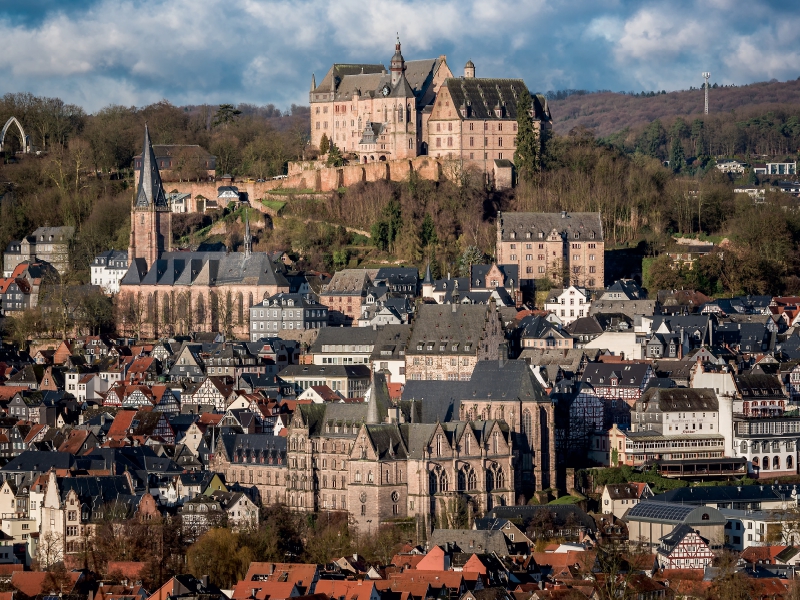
{"x": 541, "y": 235}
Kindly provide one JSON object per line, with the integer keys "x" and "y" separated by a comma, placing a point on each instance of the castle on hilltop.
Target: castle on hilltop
{"x": 420, "y": 108}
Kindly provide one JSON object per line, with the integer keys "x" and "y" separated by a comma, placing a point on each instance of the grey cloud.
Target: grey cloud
{"x": 139, "y": 51}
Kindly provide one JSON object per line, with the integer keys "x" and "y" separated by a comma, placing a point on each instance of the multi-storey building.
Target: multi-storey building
{"x": 474, "y": 120}
{"x": 108, "y": 269}
{"x": 447, "y": 341}
{"x": 619, "y": 385}
{"x": 345, "y": 295}
{"x": 50, "y": 244}
{"x": 378, "y": 114}
{"x": 351, "y": 381}
{"x": 568, "y": 304}
{"x": 566, "y": 248}
{"x": 272, "y": 316}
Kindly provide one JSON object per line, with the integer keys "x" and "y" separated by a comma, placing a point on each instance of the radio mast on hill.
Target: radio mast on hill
{"x": 706, "y": 76}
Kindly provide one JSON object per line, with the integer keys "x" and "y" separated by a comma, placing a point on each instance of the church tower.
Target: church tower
{"x": 398, "y": 64}
{"x": 151, "y": 216}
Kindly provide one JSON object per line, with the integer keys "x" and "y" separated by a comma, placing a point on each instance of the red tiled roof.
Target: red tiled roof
{"x": 762, "y": 554}
{"x": 128, "y": 569}
{"x": 34, "y": 431}
{"x": 74, "y": 441}
{"x": 33, "y": 583}
{"x": 350, "y": 589}
{"x": 121, "y": 424}
{"x": 7, "y": 392}
{"x": 433, "y": 560}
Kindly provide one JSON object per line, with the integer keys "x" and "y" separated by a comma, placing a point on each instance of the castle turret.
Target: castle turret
{"x": 398, "y": 64}
{"x": 469, "y": 70}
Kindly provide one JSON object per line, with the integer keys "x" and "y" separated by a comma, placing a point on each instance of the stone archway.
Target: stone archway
{"x": 26, "y": 140}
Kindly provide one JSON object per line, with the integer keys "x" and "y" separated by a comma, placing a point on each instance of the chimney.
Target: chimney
{"x": 563, "y": 214}
{"x": 204, "y": 581}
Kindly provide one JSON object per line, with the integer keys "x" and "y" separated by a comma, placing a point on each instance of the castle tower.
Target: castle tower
{"x": 398, "y": 64}
{"x": 469, "y": 70}
{"x": 151, "y": 216}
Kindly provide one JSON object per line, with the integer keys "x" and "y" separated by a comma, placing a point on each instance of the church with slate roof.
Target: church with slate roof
{"x": 171, "y": 292}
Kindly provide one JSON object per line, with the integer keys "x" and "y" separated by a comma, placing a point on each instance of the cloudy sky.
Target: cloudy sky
{"x": 134, "y": 52}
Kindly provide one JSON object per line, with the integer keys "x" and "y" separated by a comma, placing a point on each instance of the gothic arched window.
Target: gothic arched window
{"x": 443, "y": 482}
{"x": 527, "y": 426}
{"x": 472, "y": 481}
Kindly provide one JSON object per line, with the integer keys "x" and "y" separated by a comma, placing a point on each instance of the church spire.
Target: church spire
{"x": 248, "y": 241}
{"x": 151, "y": 191}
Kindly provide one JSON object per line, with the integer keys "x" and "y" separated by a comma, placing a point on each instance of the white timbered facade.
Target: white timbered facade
{"x": 684, "y": 548}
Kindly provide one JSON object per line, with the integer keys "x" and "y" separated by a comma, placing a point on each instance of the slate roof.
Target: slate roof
{"x": 478, "y": 274}
{"x": 471, "y": 540}
{"x": 441, "y": 399}
{"x": 478, "y": 98}
{"x": 151, "y": 191}
{"x": 207, "y": 268}
{"x": 458, "y": 326}
{"x": 758, "y": 386}
{"x": 97, "y": 491}
{"x": 584, "y": 326}
{"x": 559, "y": 512}
{"x": 520, "y": 223}
{"x": 629, "y": 375}
{"x": 254, "y": 448}
{"x": 344, "y": 337}
{"x": 678, "y": 399}
{"x": 349, "y": 371}
{"x": 348, "y": 282}
{"x": 708, "y": 495}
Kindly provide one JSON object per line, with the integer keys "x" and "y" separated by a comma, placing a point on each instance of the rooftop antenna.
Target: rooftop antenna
{"x": 706, "y": 76}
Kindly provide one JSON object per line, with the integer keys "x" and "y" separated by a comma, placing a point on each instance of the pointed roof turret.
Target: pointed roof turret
{"x": 377, "y": 400}
{"x": 398, "y": 65}
{"x": 248, "y": 242}
{"x": 428, "y": 279}
{"x": 151, "y": 191}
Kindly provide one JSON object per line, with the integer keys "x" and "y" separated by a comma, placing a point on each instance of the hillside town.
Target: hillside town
{"x": 537, "y": 425}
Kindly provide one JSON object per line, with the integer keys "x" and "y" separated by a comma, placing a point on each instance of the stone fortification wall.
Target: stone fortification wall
{"x": 312, "y": 176}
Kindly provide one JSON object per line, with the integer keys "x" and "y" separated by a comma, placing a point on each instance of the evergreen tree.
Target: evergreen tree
{"x": 324, "y": 144}
{"x": 335, "y": 158}
{"x": 428, "y": 234}
{"x": 472, "y": 255}
{"x": 225, "y": 114}
{"x": 677, "y": 160}
{"x": 527, "y": 157}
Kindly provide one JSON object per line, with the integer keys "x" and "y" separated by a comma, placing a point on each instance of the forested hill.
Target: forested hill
{"x": 606, "y": 113}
